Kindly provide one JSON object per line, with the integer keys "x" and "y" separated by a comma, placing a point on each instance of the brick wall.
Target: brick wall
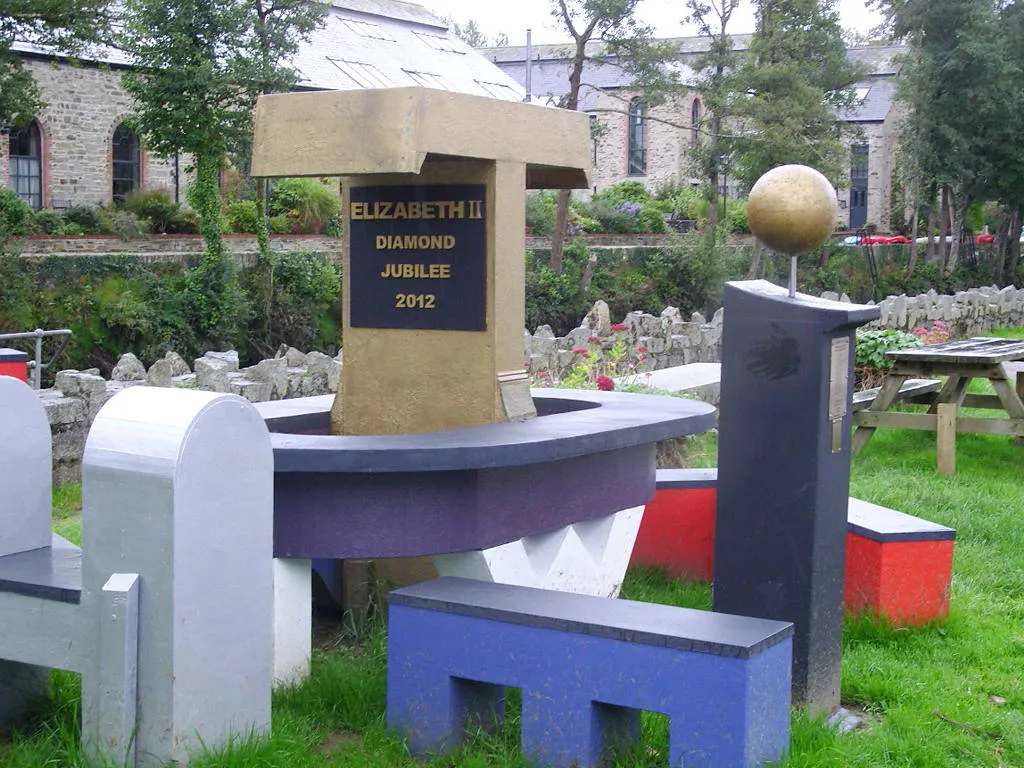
{"x": 84, "y": 106}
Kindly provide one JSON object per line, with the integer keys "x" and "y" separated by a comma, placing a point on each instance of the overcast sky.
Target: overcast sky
{"x": 514, "y": 17}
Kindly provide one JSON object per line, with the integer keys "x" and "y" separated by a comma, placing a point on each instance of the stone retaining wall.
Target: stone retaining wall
{"x": 165, "y": 246}
{"x": 77, "y": 396}
{"x": 670, "y": 339}
{"x": 660, "y": 342}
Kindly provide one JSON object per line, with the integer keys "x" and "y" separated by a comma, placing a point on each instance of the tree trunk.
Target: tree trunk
{"x": 572, "y": 102}
{"x": 264, "y": 269}
{"x": 933, "y": 223}
{"x": 944, "y": 228}
{"x": 1001, "y": 245}
{"x": 956, "y": 224}
{"x": 206, "y": 197}
{"x": 755, "y": 263}
{"x": 713, "y": 201}
{"x": 913, "y": 233}
{"x": 1010, "y": 275}
{"x": 588, "y": 271}
{"x": 561, "y": 227}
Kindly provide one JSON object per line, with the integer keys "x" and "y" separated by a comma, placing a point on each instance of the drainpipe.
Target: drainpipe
{"x": 529, "y": 65}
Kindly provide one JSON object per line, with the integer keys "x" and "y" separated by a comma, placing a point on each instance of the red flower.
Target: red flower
{"x": 641, "y": 349}
{"x": 620, "y": 327}
{"x": 593, "y": 339}
{"x": 579, "y": 350}
{"x": 605, "y": 384}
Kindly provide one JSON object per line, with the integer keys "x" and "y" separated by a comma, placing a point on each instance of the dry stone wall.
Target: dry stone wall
{"x": 670, "y": 339}
{"x": 667, "y": 340}
{"x": 77, "y": 396}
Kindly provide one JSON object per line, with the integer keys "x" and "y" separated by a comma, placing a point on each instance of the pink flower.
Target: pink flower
{"x": 641, "y": 349}
{"x": 605, "y": 384}
{"x": 579, "y": 350}
{"x": 593, "y": 339}
{"x": 620, "y": 327}
{"x": 542, "y": 374}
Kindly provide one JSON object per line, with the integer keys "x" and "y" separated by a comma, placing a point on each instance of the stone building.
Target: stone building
{"x": 651, "y": 144}
{"x": 77, "y": 150}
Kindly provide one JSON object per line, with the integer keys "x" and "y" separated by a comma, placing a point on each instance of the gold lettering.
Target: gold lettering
{"x": 385, "y": 210}
{"x": 417, "y": 271}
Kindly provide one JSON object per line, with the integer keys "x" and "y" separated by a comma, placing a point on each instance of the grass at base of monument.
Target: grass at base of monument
{"x": 945, "y": 696}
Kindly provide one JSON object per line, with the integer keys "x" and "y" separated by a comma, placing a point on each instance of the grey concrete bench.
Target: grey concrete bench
{"x": 177, "y": 490}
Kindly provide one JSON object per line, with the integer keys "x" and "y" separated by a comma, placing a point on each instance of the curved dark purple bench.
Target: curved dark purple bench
{"x": 587, "y": 454}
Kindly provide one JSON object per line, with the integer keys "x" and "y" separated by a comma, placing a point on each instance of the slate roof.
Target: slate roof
{"x": 550, "y": 73}
{"x": 374, "y": 44}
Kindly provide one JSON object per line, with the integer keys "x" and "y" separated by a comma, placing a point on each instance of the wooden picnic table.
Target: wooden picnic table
{"x": 959, "y": 361}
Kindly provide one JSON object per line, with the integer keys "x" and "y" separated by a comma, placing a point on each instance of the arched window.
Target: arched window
{"x": 694, "y": 121}
{"x": 26, "y": 169}
{"x": 125, "y": 162}
{"x": 637, "y": 153}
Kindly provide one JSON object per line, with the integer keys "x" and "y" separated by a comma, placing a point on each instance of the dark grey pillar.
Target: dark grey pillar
{"x": 784, "y": 471}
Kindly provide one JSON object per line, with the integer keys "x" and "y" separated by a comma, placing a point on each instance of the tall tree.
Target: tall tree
{"x": 627, "y": 44}
{"x": 67, "y": 26}
{"x": 471, "y": 34}
{"x": 188, "y": 97}
{"x": 958, "y": 132}
{"x": 798, "y": 81}
{"x": 277, "y": 28}
{"x": 198, "y": 69}
{"x": 714, "y": 71}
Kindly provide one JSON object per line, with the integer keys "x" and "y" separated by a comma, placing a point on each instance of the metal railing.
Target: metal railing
{"x": 36, "y": 366}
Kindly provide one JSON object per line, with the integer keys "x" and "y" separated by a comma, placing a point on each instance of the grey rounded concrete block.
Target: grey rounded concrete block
{"x": 25, "y": 457}
{"x": 177, "y": 487}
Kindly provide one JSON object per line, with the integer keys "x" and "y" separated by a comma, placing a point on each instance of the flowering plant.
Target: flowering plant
{"x": 937, "y": 334}
{"x": 598, "y": 364}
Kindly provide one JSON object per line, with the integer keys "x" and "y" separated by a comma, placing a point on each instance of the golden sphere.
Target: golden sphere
{"x": 792, "y": 209}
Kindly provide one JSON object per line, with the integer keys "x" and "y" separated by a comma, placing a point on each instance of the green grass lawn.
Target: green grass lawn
{"x": 941, "y": 696}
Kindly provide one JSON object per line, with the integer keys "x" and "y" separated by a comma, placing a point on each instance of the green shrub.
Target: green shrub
{"x": 625, "y": 192}
{"x": 613, "y": 217}
{"x": 127, "y": 225}
{"x": 554, "y": 298}
{"x": 48, "y": 221}
{"x": 70, "y": 228}
{"x": 185, "y": 222}
{"x": 540, "y": 213}
{"x": 873, "y": 344}
{"x": 155, "y": 206}
{"x": 15, "y": 215}
{"x": 651, "y": 220}
{"x": 244, "y": 216}
{"x": 307, "y": 203}
{"x": 279, "y": 225}
{"x": 735, "y": 216}
{"x": 86, "y": 217}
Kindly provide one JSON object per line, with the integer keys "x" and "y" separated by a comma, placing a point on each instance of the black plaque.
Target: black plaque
{"x": 417, "y": 257}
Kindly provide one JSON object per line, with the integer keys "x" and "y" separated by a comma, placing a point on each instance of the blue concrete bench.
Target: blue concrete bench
{"x": 587, "y": 666}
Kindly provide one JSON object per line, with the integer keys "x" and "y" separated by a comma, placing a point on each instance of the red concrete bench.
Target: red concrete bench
{"x": 14, "y": 363}
{"x": 897, "y": 565}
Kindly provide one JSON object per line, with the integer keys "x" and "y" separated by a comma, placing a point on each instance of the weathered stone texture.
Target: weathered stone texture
{"x": 667, "y": 145}
{"x": 84, "y": 106}
{"x": 77, "y": 396}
